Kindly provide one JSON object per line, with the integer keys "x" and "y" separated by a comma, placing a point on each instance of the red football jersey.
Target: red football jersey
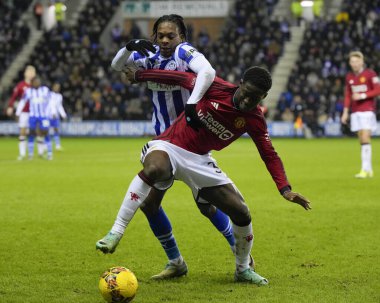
{"x": 222, "y": 122}
{"x": 18, "y": 92}
{"x": 365, "y": 82}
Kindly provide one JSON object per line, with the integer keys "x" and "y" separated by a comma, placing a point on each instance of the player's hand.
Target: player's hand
{"x": 191, "y": 116}
{"x": 344, "y": 118}
{"x": 130, "y": 73}
{"x": 9, "y": 111}
{"x": 297, "y": 198}
{"x": 142, "y": 46}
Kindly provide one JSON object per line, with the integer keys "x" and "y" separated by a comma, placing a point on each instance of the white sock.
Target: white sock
{"x": 137, "y": 192}
{"x": 177, "y": 261}
{"x": 366, "y": 157}
{"x": 40, "y": 145}
{"x": 244, "y": 242}
{"x": 22, "y": 146}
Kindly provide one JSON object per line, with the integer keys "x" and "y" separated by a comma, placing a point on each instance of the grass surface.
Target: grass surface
{"x": 53, "y": 212}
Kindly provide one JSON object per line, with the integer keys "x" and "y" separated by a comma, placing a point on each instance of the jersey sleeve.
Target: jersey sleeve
{"x": 186, "y": 80}
{"x": 16, "y": 94}
{"x": 257, "y": 130}
{"x": 22, "y": 103}
{"x": 375, "y": 91}
{"x": 187, "y": 52}
{"x": 347, "y": 94}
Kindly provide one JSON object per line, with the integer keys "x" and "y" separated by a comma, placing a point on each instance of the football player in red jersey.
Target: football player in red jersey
{"x": 224, "y": 114}
{"x": 362, "y": 86}
{"x": 23, "y": 120}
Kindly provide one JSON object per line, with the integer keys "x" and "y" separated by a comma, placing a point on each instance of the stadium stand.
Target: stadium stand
{"x": 318, "y": 77}
{"x": 13, "y": 32}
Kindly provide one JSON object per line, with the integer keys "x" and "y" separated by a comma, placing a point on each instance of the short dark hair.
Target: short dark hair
{"x": 259, "y": 77}
{"x": 176, "y": 19}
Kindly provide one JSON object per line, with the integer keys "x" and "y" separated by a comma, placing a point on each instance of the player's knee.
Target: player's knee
{"x": 155, "y": 172}
{"x": 207, "y": 210}
{"x": 241, "y": 215}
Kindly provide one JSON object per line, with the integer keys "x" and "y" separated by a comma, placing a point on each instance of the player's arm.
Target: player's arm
{"x": 61, "y": 110}
{"x": 15, "y": 95}
{"x": 123, "y": 57}
{"x": 347, "y": 103}
{"x": 259, "y": 134}
{"x": 21, "y": 105}
{"x": 186, "y": 80}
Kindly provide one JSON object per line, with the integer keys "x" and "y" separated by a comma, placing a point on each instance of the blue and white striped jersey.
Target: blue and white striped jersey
{"x": 38, "y": 99}
{"x": 168, "y": 100}
{"x": 56, "y": 106}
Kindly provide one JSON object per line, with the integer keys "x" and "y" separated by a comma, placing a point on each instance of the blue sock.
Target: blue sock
{"x": 162, "y": 229}
{"x": 48, "y": 145}
{"x": 222, "y": 222}
{"x": 57, "y": 139}
{"x": 31, "y": 145}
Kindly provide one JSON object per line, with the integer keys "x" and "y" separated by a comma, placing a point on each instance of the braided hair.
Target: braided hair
{"x": 259, "y": 77}
{"x": 176, "y": 19}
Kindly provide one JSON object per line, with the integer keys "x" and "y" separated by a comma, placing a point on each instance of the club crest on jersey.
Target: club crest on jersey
{"x": 171, "y": 65}
{"x": 239, "y": 122}
{"x": 362, "y": 79}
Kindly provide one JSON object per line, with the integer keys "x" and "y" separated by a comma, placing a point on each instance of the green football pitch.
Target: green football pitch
{"x": 53, "y": 212}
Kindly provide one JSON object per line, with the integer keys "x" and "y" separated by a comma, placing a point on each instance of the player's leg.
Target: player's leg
{"x": 228, "y": 199}
{"x": 32, "y": 136}
{"x": 162, "y": 229}
{"x": 23, "y": 125}
{"x": 366, "y": 171}
{"x": 57, "y": 139}
{"x": 220, "y": 220}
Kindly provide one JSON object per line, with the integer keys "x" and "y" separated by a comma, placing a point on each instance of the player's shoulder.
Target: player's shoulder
{"x": 370, "y": 72}
{"x": 185, "y": 51}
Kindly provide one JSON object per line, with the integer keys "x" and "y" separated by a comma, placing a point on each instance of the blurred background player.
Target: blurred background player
{"x": 39, "y": 110}
{"x": 56, "y": 111}
{"x": 361, "y": 88}
{"x": 170, "y": 52}
{"x": 23, "y": 119}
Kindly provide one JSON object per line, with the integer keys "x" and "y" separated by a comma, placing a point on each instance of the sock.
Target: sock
{"x": 57, "y": 140}
{"x": 162, "y": 229}
{"x": 366, "y": 154}
{"x": 222, "y": 222}
{"x": 31, "y": 145}
{"x": 137, "y": 192}
{"x": 244, "y": 243}
{"x": 22, "y": 146}
{"x": 48, "y": 145}
{"x": 40, "y": 145}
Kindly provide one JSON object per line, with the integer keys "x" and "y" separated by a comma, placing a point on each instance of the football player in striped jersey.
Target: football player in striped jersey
{"x": 170, "y": 51}
{"x": 37, "y": 96}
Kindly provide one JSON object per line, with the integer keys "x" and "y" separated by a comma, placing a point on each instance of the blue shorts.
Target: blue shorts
{"x": 43, "y": 123}
{"x": 54, "y": 123}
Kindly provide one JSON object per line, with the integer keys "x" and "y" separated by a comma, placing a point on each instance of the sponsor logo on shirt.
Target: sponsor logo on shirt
{"x": 215, "y": 126}
{"x": 162, "y": 87}
{"x": 189, "y": 52}
{"x": 359, "y": 88}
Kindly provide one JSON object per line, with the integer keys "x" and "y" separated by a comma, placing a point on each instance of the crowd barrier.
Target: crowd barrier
{"x": 145, "y": 128}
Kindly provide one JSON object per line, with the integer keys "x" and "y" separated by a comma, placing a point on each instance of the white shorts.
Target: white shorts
{"x": 23, "y": 121}
{"x": 197, "y": 171}
{"x": 363, "y": 120}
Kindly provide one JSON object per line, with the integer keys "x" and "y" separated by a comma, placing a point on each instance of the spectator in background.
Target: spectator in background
{"x": 116, "y": 33}
{"x": 60, "y": 13}
{"x": 362, "y": 86}
{"x": 38, "y": 11}
{"x": 296, "y": 9}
